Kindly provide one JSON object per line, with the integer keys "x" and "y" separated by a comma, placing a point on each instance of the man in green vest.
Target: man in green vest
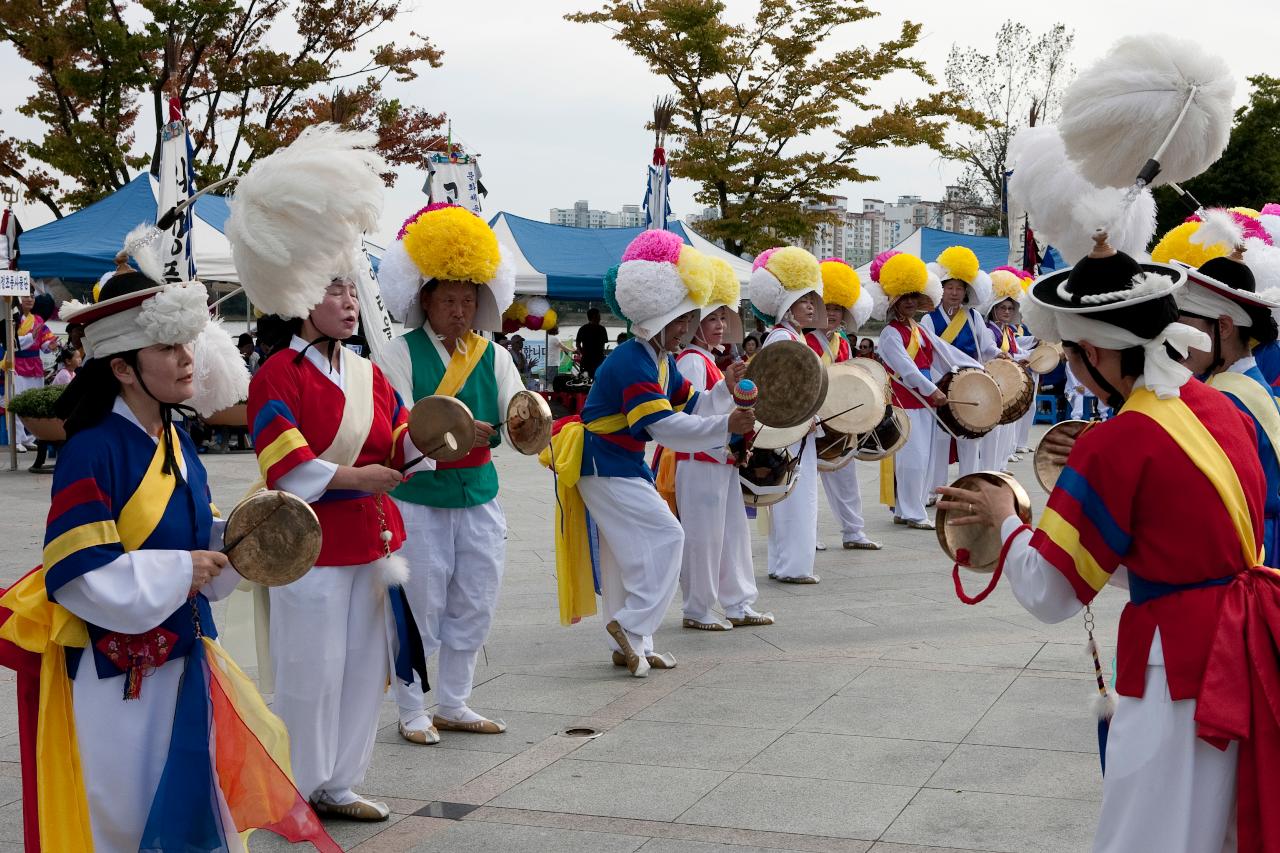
{"x": 445, "y": 279}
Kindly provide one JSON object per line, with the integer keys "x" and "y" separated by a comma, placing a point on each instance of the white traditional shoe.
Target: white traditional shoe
{"x": 424, "y": 737}
{"x": 820, "y": 546}
{"x": 361, "y": 808}
{"x": 637, "y": 664}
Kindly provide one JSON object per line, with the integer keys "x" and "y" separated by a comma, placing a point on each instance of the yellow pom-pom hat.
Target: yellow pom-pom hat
{"x": 780, "y": 277}
{"x": 959, "y": 263}
{"x": 1005, "y": 285}
{"x": 445, "y": 242}
{"x": 659, "y": 280}
{"x": 841, "y": 286}
{"x": 726, "y": 292}
{"x": 897, "y": 274}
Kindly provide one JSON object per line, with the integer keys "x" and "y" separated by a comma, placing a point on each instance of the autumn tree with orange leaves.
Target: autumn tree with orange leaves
{"x": 103, "y": 71}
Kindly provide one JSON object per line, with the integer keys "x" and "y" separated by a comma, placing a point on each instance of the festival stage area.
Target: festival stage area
{"x": 879, "y": 714}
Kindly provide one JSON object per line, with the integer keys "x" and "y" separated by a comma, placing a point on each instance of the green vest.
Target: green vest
{"x": 453, "y": 487}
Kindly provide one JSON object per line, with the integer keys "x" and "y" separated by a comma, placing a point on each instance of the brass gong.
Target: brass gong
{"x": 272, "y": 537}
{"x": 977, "y": 544}
{"x": 528, "y": 422}
{"x": 442, "y": 428}
{"x": 792, "y": 383}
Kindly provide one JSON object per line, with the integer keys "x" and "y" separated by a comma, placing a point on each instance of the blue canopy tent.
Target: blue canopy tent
{"x": 992, "y": 252}
{"x": 569, "y": 263}
{"x": 83, "y": 245}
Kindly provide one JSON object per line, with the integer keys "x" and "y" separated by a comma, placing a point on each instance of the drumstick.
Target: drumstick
{"x": 838, "y": 414}
{"x": 450, "y": 443}
{"x": 964, "y": 402}
{"x": 227, "y": 549}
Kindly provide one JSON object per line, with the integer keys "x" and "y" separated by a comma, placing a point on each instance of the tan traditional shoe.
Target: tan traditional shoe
{"x": 897, "y": 519}
{"x": 707, "y": 626}
{"x": 921, "y": 525}
{"x": 426, "y": 737}
{"x": 475, "y": 727}
{"x": 657, "y": 660}
{"x": 362, "y": 809}
{"x": 750, "y": 619}
{"x": 801, "y": 579}
{"x": 636, "y": 663}
{"x": 854, "y": 545}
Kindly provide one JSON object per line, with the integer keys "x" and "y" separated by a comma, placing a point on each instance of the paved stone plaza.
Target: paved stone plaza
{"x": 879, "y": 714}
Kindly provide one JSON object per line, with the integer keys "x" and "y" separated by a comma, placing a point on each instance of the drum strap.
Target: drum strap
{"x": 962, "y": 555}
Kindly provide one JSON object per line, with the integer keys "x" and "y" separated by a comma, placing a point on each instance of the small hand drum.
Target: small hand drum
{"x": 855, "y": 401}
{"x": 975, "y": 546}
{"x": 791, "y": 381}
{"x": 1046, "y": 466}
{"x": 272, "y": 538}
{"x": 529, "y": 422}
{"x": 1017, "y": 390}
{"x": 442, "y": 428}
{"x": 1045, "y": 358}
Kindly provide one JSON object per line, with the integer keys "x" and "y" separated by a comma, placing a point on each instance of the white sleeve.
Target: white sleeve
{"x": 25, "y": 341}
{"x": 133, "y": 593}
{"x": 411, "y": 452}
{"x": 693, "y": 368}
{"x": 987, "y": 346}
{"x": 398, "y": 369}
{"x": 953, "y": 359}
{"x": 688, "y": 433}
{"x": 895, "y": 357}
{"x": 309, "y": 480}
{"x": 1038, "y": 586}
{"x": 509, "y": 384}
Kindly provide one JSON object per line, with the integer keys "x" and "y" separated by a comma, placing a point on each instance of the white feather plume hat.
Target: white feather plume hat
{"x": 1118, "y": 113}
{"x": 1064, "y": 208}
{"x": 298, "y": 214}
{"x": 139, "y": 311}
{"x": 445, "y": 242}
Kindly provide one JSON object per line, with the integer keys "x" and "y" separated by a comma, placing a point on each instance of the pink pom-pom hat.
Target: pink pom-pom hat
{"x": 654, "y": 245}
{"x": 879, "y": 262}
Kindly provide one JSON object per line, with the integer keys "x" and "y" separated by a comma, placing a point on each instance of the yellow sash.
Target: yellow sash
{"x": 464, "y": 360}
{"x": 1256, "y": 399}
{"x": 573, "y": 547}
{"x": 953, "y": 328}
{"x": 1004, "y": 339}
{"x": 1177, "y": 419}
{"x": 914, "y": 343}
{"x": 45, "y": 628}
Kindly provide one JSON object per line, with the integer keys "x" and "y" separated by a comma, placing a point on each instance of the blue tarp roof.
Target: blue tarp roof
{"x": 992, "y": 252}
{"x": 83, "y": 245}
{"x": 574, "y": 260}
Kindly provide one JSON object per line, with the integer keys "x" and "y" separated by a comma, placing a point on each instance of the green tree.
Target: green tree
{"x": 99, "y": 65}
{"x": 1248, "y": 172}
{"x": 762, "y": 108}
{"x": 1017, "y": 84}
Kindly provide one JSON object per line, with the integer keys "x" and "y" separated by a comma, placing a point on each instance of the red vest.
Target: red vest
{"x": 817, "y": 342}
{"x": 714, "y": 377}
{"x": 903, "y": 398}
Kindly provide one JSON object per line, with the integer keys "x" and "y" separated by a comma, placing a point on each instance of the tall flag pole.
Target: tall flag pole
{"x": 657, "y": 207}
{"x": 176, "y": 183}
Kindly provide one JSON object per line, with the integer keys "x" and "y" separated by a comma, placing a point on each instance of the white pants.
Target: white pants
{"x": 793, "y": 521}
{"x": 123, "y": 746}
{"x": 1023, "y": 425}
{"x": 330, "y": 651}
{"x": 1165, "y": 789}
{"x": 20, "y": 384}
{"x": 913, "y": 467}
{"x": 641, "y": 544}
{"x": 845, "y": 501}
{"x": 997, "y": 446}
{"x": 967, "y": 455}
{"x": 456, "y": 558}
{"x": 717, "y": 567}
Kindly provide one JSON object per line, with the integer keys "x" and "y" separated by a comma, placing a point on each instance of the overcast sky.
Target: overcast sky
{"x": 557, "y": 110}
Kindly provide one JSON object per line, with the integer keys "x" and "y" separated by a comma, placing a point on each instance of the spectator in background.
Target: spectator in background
{"x": 248, "y": 352}
{"x": 591, "y": 340}
{"x": 518, "y": 356}
{"x": 557, "y": 354}
{"x": 750, "y": 346}
{"x": 68, "y": 363}
{"x": 867, "y": 348}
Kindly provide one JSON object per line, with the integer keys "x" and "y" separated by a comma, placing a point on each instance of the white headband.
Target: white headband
{"x": 1194, "y": 299}
{"x": 1163, "y": 375}
{"x": 175, "y": 315}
